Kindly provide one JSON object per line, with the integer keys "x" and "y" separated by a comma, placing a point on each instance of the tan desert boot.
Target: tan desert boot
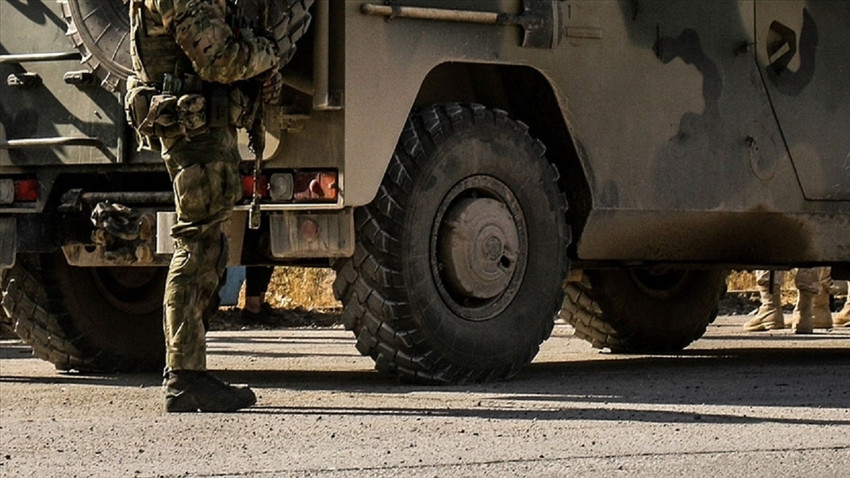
{"x": 821, "y": 315}
{"x": 801, "y": 319}
{"x": 842, "y": 318}
{"x": 769, "y": 316}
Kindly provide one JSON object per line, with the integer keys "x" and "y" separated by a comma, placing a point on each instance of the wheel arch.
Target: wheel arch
{"x": 527, "y": 95}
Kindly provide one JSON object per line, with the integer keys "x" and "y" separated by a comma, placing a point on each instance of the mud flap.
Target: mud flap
{"x": 8, "y": 241}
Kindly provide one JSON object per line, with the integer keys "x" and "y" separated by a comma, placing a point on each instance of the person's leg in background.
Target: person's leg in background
{"x": 256, "y": 285}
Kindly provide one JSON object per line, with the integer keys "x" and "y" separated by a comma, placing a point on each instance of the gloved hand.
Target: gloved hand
{"x": 272, "y": 86}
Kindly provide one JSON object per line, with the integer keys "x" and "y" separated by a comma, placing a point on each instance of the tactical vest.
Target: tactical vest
{"x": 154, "y": 51}
{"x": 165, "y": 100}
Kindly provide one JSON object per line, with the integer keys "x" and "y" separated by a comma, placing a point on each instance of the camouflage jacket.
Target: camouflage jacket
{"x": 217, "y": 52}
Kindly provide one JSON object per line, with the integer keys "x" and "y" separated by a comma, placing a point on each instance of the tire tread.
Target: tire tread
{"x": 369, "y": 284}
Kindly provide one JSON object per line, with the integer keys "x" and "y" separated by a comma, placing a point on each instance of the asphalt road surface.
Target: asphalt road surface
{"x": 733, "y": 404}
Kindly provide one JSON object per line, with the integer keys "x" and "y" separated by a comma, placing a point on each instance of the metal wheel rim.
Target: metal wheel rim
{"x": 491, "y": 249}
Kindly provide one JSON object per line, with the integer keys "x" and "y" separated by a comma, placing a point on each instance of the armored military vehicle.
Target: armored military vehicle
{"x": 460, "y": 164}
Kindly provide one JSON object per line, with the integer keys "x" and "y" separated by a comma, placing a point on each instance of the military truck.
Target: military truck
{"x": 469, "y": 169}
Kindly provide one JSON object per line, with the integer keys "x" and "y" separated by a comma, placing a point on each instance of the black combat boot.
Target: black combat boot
{"x": 199, "y": 391}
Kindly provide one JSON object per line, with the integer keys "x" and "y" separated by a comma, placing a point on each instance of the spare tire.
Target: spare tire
{"x": 100, "y": 29}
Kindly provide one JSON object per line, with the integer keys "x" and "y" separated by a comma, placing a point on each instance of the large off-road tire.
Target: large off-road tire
{"x": 100, "y": 29}
{"x": 641, "y": 311}
{"x": 87, "y": 319}
{"x": 460, "y": 257}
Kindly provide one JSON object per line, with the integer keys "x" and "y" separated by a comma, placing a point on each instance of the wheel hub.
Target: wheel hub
{"x": 481, "y": 247}
{"x": 133, "y": 290}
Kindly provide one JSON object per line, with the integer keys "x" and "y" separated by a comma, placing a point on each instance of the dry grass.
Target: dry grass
{"x": 741, "y": 281}
{"x": 746, "y": 281}
{"x": 308, "y": 288}
{"x": 300, "y": 297}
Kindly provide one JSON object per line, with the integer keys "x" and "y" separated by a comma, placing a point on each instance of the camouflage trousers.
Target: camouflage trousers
{"x": 205, "y": 175}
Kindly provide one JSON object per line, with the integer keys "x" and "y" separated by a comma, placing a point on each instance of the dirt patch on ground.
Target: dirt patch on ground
{"x": 738, "y": 304}
{"x": 230, "y": 318}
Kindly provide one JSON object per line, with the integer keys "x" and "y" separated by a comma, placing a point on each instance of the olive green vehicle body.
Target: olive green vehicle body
{"x": 677, "y": 140}
{"x": 710, "y": 134}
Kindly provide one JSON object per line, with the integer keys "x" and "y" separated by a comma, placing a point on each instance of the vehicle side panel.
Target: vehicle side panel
{"x": 665, "y": 105}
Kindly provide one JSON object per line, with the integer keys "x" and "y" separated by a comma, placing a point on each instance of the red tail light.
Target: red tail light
{"x": 26, "y": 190}
{"x": 298, "y": 186}
{"x": 316, "y": 186}
{"x": 248, "y": 186}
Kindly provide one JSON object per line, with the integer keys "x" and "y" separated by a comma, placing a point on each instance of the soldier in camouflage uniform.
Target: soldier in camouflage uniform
{"x": 185, "y": 55}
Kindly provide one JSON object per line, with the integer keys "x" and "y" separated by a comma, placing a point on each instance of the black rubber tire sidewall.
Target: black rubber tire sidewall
{"x": 526, "y": 321}
{"x": 646, "y": 323}
{"x": 131, "y": 332}
{"x": 74, "y": 325}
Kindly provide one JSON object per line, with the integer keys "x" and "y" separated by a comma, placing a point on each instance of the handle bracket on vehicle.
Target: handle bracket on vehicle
{"x": 538, "y": 20}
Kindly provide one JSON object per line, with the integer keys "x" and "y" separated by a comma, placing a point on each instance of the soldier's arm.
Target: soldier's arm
{"x": 216, "y": 52}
